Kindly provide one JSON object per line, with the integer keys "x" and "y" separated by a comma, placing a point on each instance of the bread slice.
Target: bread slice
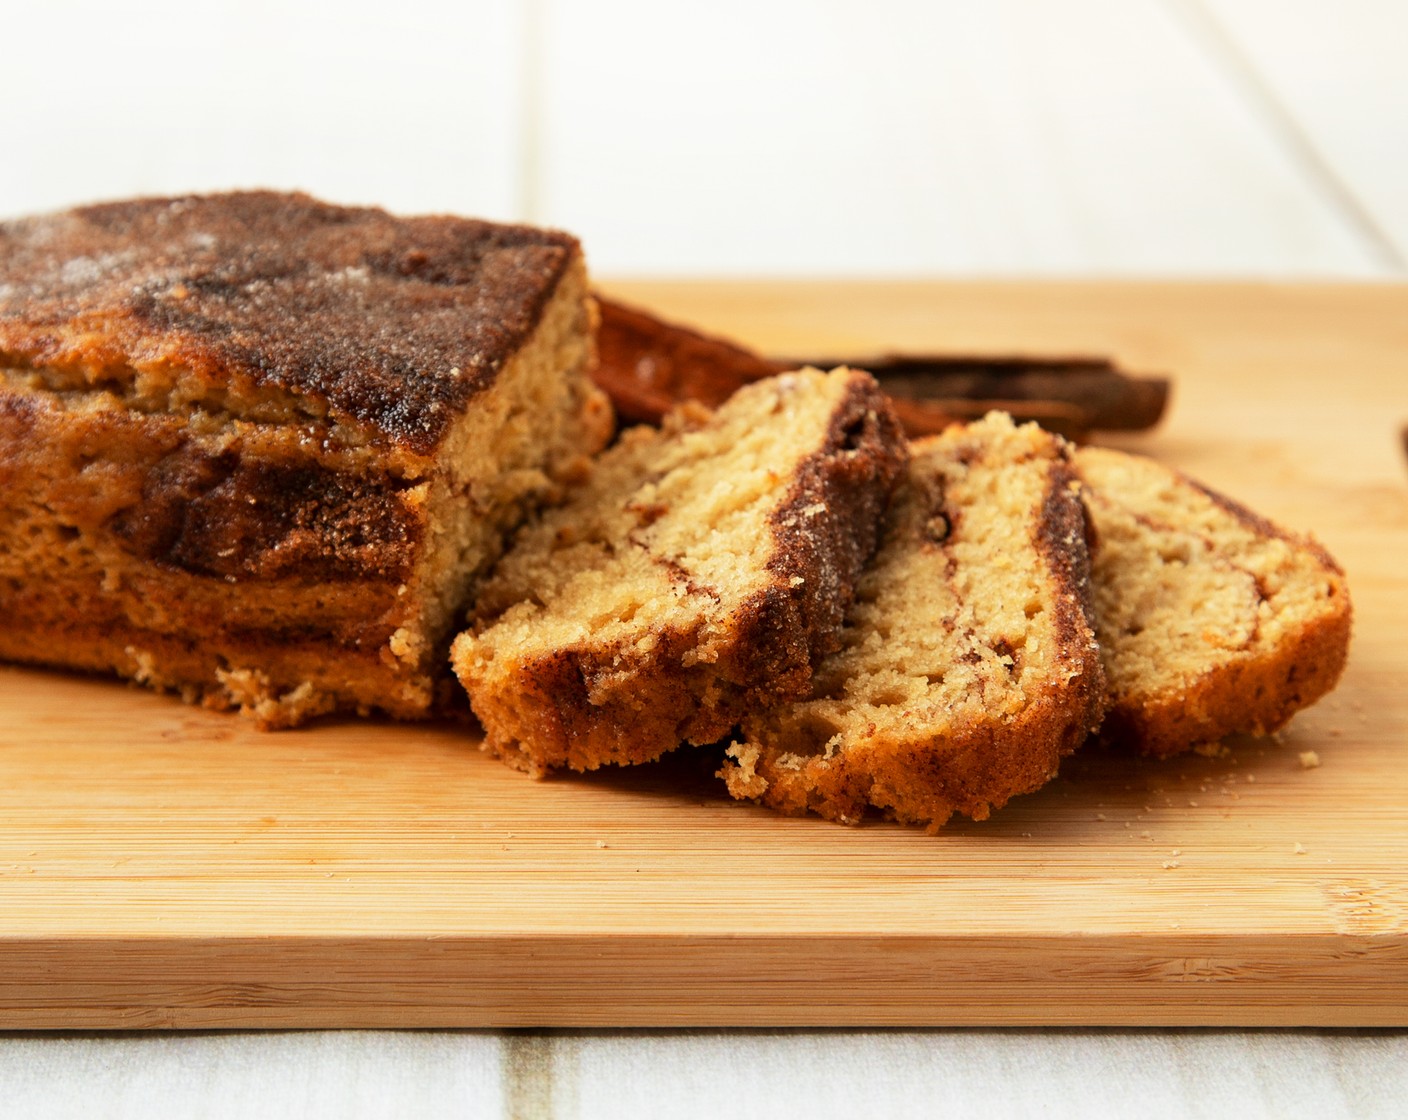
{"x": 258, "y": 449}
{"x": 1211, "y": 620}
{"x": 968, "y": 665}
{"x": 703, "y": 570}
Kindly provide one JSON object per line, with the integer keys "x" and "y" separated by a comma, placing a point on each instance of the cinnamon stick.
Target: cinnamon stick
{"x": 1071, "y": 395}
{"x": 648, "y": 365}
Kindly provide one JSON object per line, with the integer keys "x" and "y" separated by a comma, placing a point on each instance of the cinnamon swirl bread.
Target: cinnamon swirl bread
{"x": 258, "y": 449}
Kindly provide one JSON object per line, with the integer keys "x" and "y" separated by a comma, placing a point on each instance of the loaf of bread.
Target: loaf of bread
{"x": 968, "y": 665}
{"x": 258, "y": 449}
{"x": 703, "y": 570}
{"x": 1211, "y": 620}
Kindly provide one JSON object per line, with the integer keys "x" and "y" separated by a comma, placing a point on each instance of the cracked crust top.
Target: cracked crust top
{"x": 262, "y": 300}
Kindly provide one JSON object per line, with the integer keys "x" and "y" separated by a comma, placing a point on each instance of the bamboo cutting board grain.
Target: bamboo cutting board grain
{"x": 161, "y": 866}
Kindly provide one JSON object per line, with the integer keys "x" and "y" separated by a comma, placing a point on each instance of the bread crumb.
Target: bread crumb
{"x": 1170, "y": 864}
{"x": 1300, "y": 849}
{"x": 1176, "y": 852}
{"x": 403, "y": 645}
{"x": 601, "y": 844}
{"x": 1309, "y": 760}
{"x": 1251, "y": 777}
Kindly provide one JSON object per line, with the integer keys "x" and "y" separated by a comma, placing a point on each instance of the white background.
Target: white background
{"x": 745, "y": 137}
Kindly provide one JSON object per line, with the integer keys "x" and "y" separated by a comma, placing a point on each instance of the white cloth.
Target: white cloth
{"x": 737, "y": 1075}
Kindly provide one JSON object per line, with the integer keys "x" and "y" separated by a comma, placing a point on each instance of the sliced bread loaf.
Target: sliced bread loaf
{"x": 968, "y": 665}
{"x": 1211, "y": 620}
{"x": 258, "y": 450}
{"x": 701, "y": 571}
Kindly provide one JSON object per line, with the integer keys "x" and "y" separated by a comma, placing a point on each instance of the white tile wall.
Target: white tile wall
{"x": 1261, "y": 137}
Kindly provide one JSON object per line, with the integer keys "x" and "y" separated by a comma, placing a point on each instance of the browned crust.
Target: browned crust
{"x": 297, "y": 677}
{"x": 557, "y": 711}
{"x": 982, "y": 764}
{"x": 352, "y": 312}
{"x": 973, "y": 771}
{"x": 1248, "y": 696}
{"x": 1245, "y": 695}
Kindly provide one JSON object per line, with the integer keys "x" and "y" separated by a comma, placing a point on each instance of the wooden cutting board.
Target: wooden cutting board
{"x": 161, "y": 866}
